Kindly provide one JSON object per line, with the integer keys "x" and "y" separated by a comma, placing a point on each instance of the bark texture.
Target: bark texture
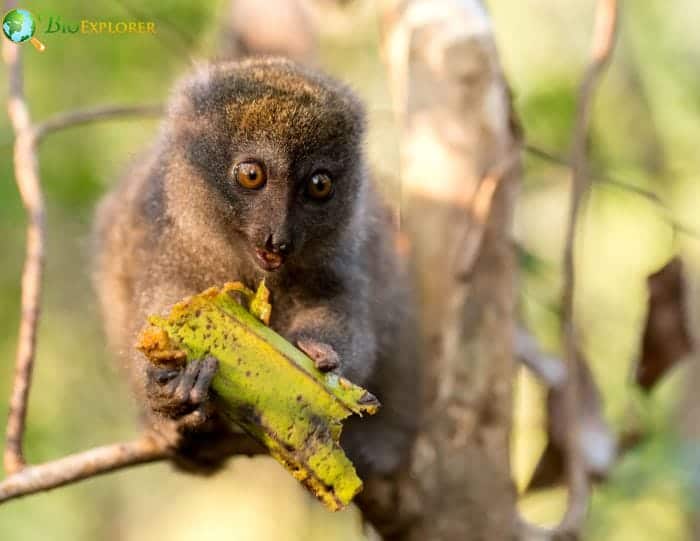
{"x": 460, "y": 170}
{"x": 689, "y": 410}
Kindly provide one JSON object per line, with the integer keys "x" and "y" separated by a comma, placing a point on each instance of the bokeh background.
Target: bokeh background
{"x": 645, "y": 132}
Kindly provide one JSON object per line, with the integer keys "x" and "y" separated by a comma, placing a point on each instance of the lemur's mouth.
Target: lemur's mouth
{"x": 267, "y": 260}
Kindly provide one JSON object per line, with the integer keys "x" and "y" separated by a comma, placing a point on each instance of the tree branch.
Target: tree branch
{"x": 79, "y": 117}
{"x": 24, "y": 480}
{"x": 79, "y": 466}
{"x": 27, "y": 178}
{"x": 608, "y": 179}
{"x": 604, "y": 35}
{"x": 551, "y": 371}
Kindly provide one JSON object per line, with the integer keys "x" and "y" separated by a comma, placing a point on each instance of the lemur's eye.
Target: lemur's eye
{"x": 319, "y": 187}
{"x": 250, "y": 175}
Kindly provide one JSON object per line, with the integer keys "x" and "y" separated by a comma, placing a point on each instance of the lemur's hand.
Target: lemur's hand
{"x": 182, "y": 394}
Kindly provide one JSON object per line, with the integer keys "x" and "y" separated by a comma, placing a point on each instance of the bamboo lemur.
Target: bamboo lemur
{"x": 259, "y": 172}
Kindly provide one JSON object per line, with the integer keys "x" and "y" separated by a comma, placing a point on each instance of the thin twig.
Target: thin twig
{"x": 562, "y": 161}
{"x": 27, "y": 178}
{"x": 21, "y": 479}
{"x": 610, "y": 180}
{"x": 603, "y": 43}
{"x": 93, "y": 114}
{"x": 79, "y": 466}
{"x": 550, "y": 370}
{"x": 605, "y": 33}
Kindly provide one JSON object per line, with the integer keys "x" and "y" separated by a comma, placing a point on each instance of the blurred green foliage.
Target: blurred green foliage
{"x": 646, "y": 125}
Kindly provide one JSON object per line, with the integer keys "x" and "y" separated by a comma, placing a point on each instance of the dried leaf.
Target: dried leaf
{"x": 267, "y": 386}
{"x": 550, "y": 469}
{"x": 666, "y": 338}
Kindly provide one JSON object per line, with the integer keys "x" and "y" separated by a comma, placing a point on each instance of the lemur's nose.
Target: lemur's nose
{"x": 277, "y": 245}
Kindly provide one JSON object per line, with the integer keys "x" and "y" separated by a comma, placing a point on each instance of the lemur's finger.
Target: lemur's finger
{"x": 186, "y": 381}
{"x": 194, "y": 419}
{"x": 324, "y": 356}
{"x": 161, "y": 376}
{"x": 207, "y": 371}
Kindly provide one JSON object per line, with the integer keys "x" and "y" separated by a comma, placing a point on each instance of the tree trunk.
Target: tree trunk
{"x": 460, "y": 171}
{"x": 689, "y": 410}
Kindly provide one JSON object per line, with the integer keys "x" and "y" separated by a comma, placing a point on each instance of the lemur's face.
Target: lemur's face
{"x": 282, "y": 148}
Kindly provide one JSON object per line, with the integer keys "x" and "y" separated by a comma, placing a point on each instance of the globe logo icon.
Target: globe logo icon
{"x": 19, "y": 26}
